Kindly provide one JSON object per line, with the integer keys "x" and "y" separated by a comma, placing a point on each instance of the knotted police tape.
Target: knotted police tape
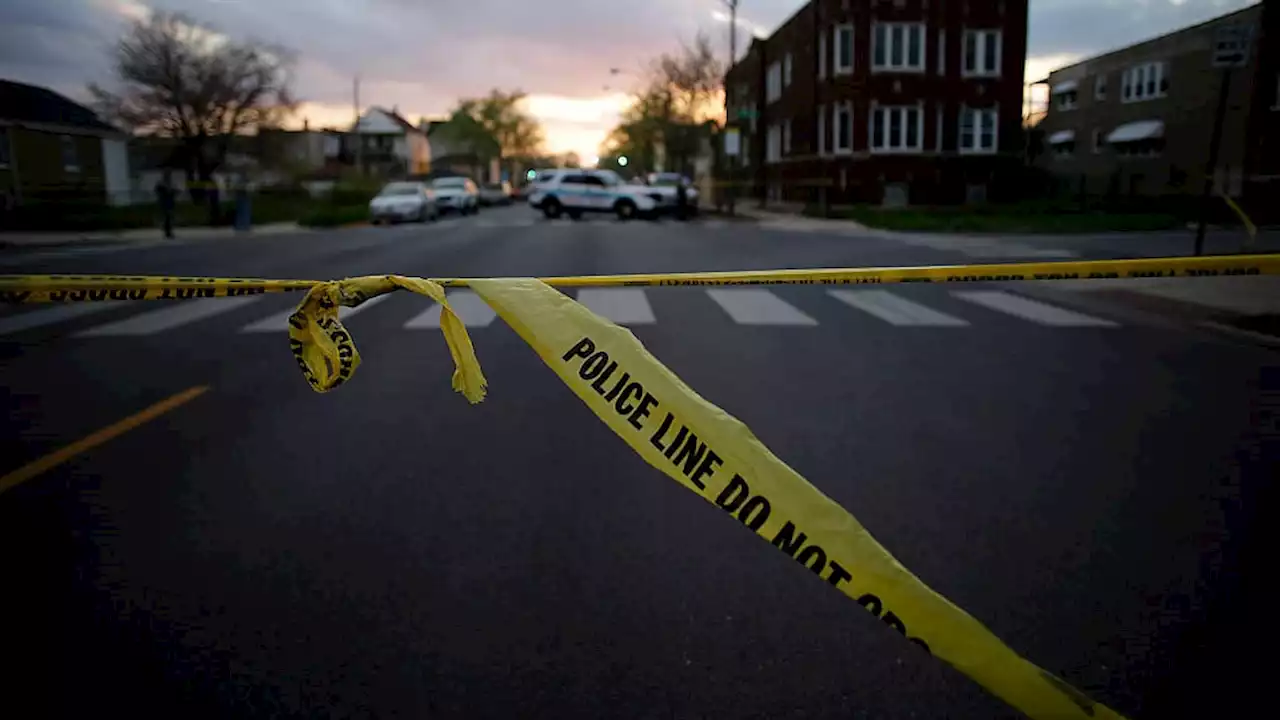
{"x": 327, "y": 355}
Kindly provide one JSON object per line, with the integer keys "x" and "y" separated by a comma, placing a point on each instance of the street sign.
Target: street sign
{"x": 732, "y": 142}
{"x": 748, "y": 114}
{"x": 1231, "y": 46}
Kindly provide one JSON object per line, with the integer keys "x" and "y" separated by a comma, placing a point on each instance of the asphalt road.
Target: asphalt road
{"x": 1085, "y": 484}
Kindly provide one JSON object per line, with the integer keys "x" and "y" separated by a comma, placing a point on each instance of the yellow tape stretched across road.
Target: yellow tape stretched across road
{"x": 89, "y": 288}
{"x": 665, "y": 422}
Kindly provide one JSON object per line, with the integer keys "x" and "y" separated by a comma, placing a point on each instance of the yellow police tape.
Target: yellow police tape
{"x": 672, "y": 428}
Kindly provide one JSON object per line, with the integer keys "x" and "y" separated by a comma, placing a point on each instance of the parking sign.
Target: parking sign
{"x": 1231, "y": 46}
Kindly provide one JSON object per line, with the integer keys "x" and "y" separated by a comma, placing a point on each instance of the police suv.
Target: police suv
{"x": 574, "y": 192}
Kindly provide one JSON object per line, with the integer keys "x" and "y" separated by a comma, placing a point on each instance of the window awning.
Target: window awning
{"x": 1062, "y": 137}
{"x": 1135, "y": 131}
{"x": 1065, "y": 87}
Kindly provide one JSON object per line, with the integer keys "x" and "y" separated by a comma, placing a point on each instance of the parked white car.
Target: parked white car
{"x": 663, "y": 188}
{"x": 495, "y": 194}
{"x": 404, "y": 201}
{"x": 574, "y": 192}
{"x": 456, "y": 193}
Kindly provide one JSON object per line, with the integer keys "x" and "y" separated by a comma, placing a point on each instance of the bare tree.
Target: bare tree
{"x": 178, "y": 78}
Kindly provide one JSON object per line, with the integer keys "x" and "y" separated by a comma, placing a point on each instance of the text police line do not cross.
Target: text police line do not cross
{"x": 694, "y": 459}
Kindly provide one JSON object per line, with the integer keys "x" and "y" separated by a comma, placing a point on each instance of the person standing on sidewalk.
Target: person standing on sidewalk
{"x": 165, "y": 198}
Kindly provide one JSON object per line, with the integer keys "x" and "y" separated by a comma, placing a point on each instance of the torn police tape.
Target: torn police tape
{"x": 689, "y": 439}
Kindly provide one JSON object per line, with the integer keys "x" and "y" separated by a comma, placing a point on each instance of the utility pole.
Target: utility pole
{"x": 355, "y": 127}
{"x": 733, "y": 58}
{"x": 1232, "y": 48}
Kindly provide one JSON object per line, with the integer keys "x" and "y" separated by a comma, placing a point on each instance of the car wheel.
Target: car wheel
{"x": 625, "y": 209}
{"x": 551, "y": 208}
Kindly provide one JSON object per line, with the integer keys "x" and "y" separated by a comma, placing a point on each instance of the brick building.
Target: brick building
{"x": 1137, "y": 121}
{"x": 891, "y": 101}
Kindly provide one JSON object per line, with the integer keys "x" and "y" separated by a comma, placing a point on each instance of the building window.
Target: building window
{"x": 1065, "y": 100}
{"x": 982, "y": 51}
{"x": 1098, "y": 142}
{"x": 898, "y": 47}
{"x": 842, "y": 128}
{"x": 822, "y": 130}
{"x": 5, "y": 158}
{"x": 786, "y": 70}
{"x": 70, "y": 158}
{"x": 1100, "y": 88}
{"x": 843, "y": 60}
{"x": 942, "y": 51}
{"x": 897, "y": 129}
{"x": 773, "y": 82}
{"x": 1144, "y": 82}
{"x": 978, "y": 130}
{"x": 822, "y": 56}
{"x": 786, "y": 137}
{"x": 773, "y": 143}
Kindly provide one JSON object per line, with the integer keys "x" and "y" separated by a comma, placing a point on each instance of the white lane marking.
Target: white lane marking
{"x": 625, "y": 306}
{"x": 468, "y": 306}
{"x": 759, "y": 307}
{"x": 49, "y": 316}
{"x": 1036, "y": 312}
{"x": 895, "y": 310}
{"x": 280, "y": 321}
{"x": 180, "y": 313}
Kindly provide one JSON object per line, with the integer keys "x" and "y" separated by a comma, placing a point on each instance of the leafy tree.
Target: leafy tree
{"x": 178, "y": 78}
{"x": 681, "y": 96}
{"x": 498, "y": 126}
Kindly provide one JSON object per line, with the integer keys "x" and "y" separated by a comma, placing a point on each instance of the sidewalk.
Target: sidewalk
{"x": 102, "y": 237}
{"x": 1241, "y": 305}
{"x": 788, "y": 216}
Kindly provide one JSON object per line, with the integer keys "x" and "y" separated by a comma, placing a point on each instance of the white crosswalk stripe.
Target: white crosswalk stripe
{"x": 280, "y": 321}
{"x": 157, "y": 321}
{"x": 759, "y": 307}
{"x": 474, "y": 312}
{"x": 1036, "y": 312}
{"x": 625, "y": 306}
{"x": 895, "y": 310}
{"x": 53, "y": 315}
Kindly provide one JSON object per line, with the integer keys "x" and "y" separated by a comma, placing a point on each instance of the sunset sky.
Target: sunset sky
{"x": 421, "y": 56}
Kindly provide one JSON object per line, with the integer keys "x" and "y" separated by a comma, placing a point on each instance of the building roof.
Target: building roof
{"x": 1254, "y": 9}
{"x": 24, "y": 103}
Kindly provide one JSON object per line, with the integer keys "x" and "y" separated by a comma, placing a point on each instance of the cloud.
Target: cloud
{"x": 423, "y": 55}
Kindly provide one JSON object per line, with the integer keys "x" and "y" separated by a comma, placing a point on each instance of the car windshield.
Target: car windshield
{"x": 400, "y": 189}
{"x": 450, "y": 183}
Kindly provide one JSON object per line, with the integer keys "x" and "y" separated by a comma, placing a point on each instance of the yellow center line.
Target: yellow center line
{"x": 110, "y": 432}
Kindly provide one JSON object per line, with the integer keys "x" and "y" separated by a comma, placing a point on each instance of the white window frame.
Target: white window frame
{"x": 837, "y": 110}
{"x": 836, "y": 67}
{"x": 822, "y": 131}
{"x": 1137, "y": 79}
{"x": 942, "y": 52}
{"x": 982, "y": 117}
{"x": 888, "y": 148}
{"x": 67, "y": 141}
{"x": 905, "y": 66}
{"x": 1100, "y": 88}
{"x": 773, "y": 82}
{"x": 822, "y": 56}
{"x": 786, "y": 137}
{"x": 786, "y": 70}
{"x": 978, "y": 40}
